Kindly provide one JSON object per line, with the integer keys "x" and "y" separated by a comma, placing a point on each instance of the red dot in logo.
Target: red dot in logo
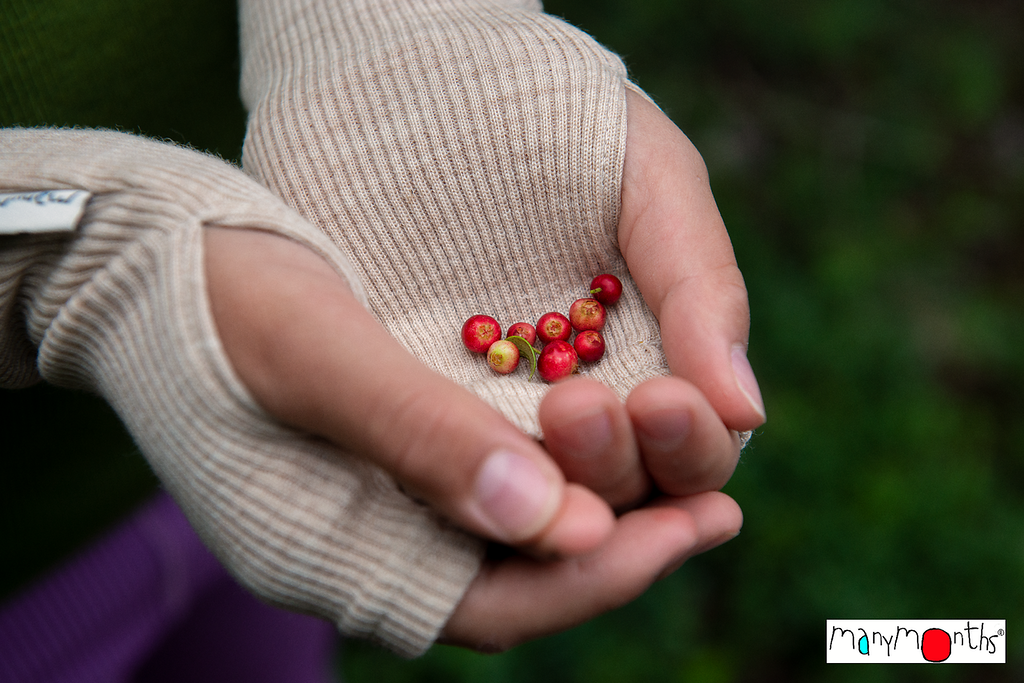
{"x": 935, "y": 645}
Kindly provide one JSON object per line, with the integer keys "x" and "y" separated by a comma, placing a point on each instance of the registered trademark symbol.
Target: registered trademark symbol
{"x": 1000, "y": 632}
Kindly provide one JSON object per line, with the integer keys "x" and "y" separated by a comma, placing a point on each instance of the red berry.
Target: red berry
{"x": 557, "y": 361}
{"x": 589, "y": 345}
{"x": 553, "y": 327}
{"x": 524, "y": 330}
{"x": 587, "y": 314}
{"x": 479, "y": 332}
{"x": 606, "y": 288}
{"x": 503, "y": 356}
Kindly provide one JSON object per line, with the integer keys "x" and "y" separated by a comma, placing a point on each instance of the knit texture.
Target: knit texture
{"x": 120, "y": 308}
{"x": 465, "y": 154}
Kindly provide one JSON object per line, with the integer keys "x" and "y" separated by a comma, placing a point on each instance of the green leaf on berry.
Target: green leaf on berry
{"x": 525, "y": 351}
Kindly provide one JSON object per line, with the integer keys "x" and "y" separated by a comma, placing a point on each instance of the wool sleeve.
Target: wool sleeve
{"x": 466, "y": 155}
{"x": 119, "y": 307}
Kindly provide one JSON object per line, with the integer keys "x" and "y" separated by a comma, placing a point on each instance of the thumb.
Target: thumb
{"x": 313, "y": 357}
{"x": 678, "y": 252}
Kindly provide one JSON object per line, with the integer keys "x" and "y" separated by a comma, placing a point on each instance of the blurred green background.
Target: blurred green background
{"x": 868, "y": 158}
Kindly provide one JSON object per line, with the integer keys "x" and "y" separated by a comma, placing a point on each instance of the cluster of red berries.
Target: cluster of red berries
{"x": 558, "y": 359}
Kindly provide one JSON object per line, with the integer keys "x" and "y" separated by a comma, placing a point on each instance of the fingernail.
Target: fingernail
{"x": 665, "y": 430}
{"x": 587, "y": 435}
{"x": 745, "y": 379}
{"x": 514, "y": 495}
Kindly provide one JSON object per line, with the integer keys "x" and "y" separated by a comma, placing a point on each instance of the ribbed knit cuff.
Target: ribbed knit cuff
{"x": 123, "y": 310}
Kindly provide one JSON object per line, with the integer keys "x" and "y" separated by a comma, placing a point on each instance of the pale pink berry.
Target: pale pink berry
{"x": 503, "y": 356}
{"x": 479, "y": 332}
{"x": 606, "y": 288}
{"x": 557, "y": 361}
{"x": 587, "y": 314}
{"x": 553, "y": 327}
{"x": 589, "y": 345}
{"x": 524, "y": 330}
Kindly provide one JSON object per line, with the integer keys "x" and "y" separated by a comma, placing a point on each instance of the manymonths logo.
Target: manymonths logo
{"x": 897, "y": 641}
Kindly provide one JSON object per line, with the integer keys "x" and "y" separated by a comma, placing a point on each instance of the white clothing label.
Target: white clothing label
{"x": 42, "y": 211}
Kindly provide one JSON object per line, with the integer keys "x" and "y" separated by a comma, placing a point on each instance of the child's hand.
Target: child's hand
{"x": 669, "y": 432}
{"x": 488, "y": 162}
{"x": 316, "y": 359}
{"x": 313, "y": 357}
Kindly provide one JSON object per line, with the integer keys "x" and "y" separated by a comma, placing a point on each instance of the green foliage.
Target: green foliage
{"x": 164, "y": 69}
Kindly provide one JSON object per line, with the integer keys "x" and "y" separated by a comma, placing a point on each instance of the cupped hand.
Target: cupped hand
{"x": 677, "y": 434}
{"x": 315, "y": 359}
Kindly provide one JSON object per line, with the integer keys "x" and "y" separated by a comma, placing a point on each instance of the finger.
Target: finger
{"x": 683, "y": 442}
{"x": 519, "y": 599}
{"x": 680, "y": 255}
{"x": 316, "y": 359}
{"x": 588, "y": 433}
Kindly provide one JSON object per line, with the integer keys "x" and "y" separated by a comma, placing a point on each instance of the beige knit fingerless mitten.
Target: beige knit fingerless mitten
{"x": 465, "y": 154}
{"x": 120, "y": 307}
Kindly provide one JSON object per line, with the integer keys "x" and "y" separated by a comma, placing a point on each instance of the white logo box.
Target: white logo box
{"x": 906, "y": 641}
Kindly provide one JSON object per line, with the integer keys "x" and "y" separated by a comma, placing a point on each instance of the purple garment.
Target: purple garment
{"x": 149, "y": 603}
